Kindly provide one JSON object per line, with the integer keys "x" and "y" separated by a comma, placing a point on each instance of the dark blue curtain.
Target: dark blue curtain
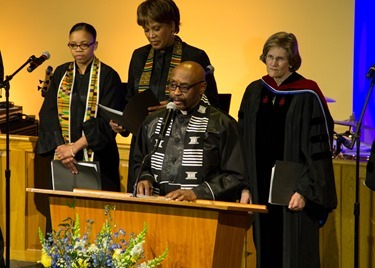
{"x": 364, "y": 58}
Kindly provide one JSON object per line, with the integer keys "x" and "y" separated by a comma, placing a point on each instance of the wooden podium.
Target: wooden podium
{"x": 202, "y": 233}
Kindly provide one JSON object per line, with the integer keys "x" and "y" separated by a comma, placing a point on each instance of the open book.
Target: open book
{"x": 88, "y": 176}
{"x": 135, "y": 111}
{"x": 283, "y": 181}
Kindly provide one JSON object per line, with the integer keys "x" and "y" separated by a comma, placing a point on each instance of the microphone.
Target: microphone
{"x": 167, "y": 119}
{"x": 209, "y": 70}
{"x": 371, "y": 72}
{"x": 35, "y": 62}
{"x": 171, "y": 107}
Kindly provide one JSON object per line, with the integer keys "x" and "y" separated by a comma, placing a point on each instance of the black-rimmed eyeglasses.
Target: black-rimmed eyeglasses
{"x": 81, "y": 46}
{"x": 184, "y": 88}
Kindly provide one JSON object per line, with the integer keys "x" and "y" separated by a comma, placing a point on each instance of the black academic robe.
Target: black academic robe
{"x": 99, "y": 135}
{"x": 159, "y": 78}
{"x": 296, "y": 127}
{"x": 222, "y": 175}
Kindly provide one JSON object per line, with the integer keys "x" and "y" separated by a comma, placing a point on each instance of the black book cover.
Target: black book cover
{"x": 134, "y": 113}
{"x": 283, "y": 182}
{"x": 88, "y": 176}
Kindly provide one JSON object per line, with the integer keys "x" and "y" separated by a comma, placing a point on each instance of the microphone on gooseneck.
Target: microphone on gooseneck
{"x": 171, "y": 107}
{"x": 35, "y": 62}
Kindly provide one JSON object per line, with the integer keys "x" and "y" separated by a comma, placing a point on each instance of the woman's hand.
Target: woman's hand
{"x": 66, "y": 153}
{"x": 297, "y": 202}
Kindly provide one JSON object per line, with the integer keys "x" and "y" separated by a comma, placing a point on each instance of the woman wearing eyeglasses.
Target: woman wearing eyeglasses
{"x": 151, "y": 65}
{"x": 71, "y": 127}
{"x": 284, "y": 117}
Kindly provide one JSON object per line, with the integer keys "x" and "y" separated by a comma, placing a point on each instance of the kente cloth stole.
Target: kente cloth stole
{"x": 192, "y": 158}
{"x": 144, "y": 82}
{"x": 64, "y": 101}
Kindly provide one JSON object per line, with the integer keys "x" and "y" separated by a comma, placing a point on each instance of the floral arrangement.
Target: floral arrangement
{"x": 67, "y": 248}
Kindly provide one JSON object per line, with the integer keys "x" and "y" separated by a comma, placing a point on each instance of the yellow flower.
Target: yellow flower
{"x": 45, "y": 260}
{"x": 116, "y": 254}
{"x": 81, "y": 263}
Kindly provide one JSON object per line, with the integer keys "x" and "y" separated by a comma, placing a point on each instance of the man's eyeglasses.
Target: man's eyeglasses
{"x": 184, "y": 88}
{"x": 81, "y": 46}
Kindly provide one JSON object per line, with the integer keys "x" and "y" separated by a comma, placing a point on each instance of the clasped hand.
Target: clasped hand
{"x": 65, "y": 154}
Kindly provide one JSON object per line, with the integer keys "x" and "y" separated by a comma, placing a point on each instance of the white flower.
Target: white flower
{"x": 93, "y": 248}
{"x": 143, "y": 265}
{"x": 81, "y": 243}
{"x": 137, "y": 249}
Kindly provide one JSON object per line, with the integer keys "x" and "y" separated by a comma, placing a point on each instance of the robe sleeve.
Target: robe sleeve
{"x": 317, "y": 183}
{"x": 97, "y": 130}
{"x": 227, "y": 176}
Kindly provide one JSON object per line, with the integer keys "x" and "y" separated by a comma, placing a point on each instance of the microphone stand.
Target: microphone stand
{"x": 5, "y": 84}
{"x": 357, "y": 141}
{"x": 147, "y": 156}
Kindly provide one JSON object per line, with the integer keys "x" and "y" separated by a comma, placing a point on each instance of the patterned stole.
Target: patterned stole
{"x": 64, "y": 100}
{"x": 144, "y": 82}
{"x": 192, "y": 158}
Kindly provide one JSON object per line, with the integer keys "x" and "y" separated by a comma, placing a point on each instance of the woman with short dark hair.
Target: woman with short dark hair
{"x": 151, "y": 65}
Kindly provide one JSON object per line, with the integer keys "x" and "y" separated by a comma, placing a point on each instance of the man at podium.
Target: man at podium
{"x": 194, "y": 152}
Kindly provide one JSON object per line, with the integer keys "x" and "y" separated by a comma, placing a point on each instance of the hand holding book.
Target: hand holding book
{"x": 88, "y": 176}
{"x": 134, "y": 113}
{"x": 283, "y": 182}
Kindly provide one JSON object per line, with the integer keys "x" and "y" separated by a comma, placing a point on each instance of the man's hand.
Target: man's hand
{"x": 245, "y": 196}
{"x": 144, "y": 187}
{"x": 182, "y": 195}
